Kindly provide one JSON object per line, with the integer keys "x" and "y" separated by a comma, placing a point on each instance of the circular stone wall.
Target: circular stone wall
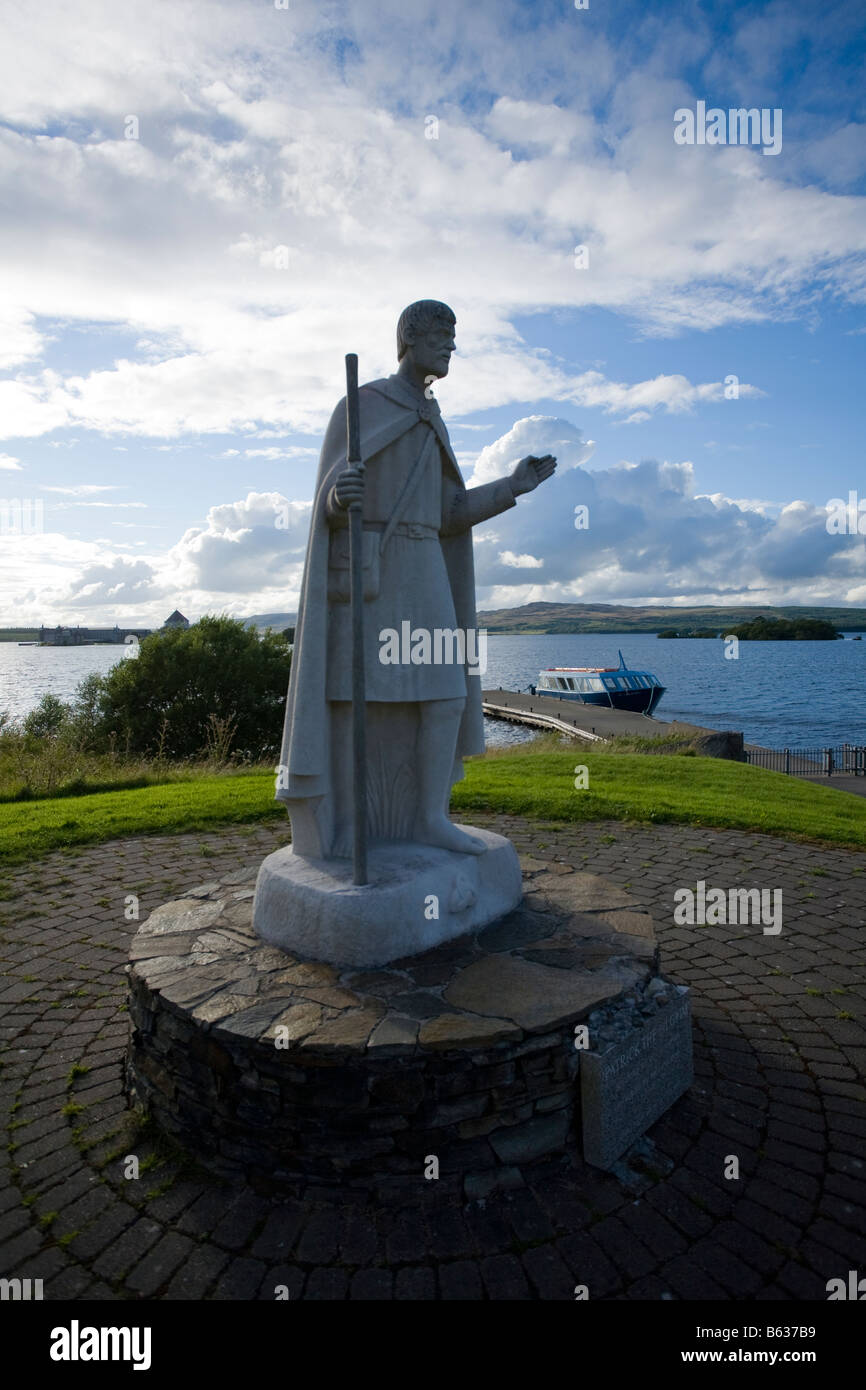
{"x": 283, "y": 1070}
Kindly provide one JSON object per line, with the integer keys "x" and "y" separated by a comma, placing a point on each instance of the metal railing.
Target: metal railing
{"x": 840, "y": 759}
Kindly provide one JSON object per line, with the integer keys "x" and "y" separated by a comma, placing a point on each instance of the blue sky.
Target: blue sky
{"x": 165, "y": 376}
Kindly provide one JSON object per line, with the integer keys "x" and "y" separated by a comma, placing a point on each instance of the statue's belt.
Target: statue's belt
{"x": 415, "y": 530}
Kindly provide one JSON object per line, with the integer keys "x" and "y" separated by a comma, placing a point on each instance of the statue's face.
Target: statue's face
{"x": 432, "y": 349}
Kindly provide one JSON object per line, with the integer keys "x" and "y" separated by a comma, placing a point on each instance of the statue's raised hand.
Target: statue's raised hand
{"x": 349, "y": 487}
{"x": 531, "y": 471}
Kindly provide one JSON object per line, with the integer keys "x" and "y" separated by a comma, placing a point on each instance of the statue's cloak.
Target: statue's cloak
{"x": 388, "y": 409}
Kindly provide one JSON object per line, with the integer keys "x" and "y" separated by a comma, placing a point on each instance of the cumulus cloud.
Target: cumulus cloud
{"x": 116, "y": 582}
{"x": 520, "y": 562}
{"x": 538, "y": 435}
{"x": 246, "y": 547}
{"x": 652, "y": 537}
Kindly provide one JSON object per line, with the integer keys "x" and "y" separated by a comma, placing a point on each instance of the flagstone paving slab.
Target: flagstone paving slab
{"x": 779, "y": 1051}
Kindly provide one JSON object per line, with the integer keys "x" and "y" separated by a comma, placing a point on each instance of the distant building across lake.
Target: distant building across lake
{"x": 176, "y": 620}
{"x": 87, "y": 636}
{"x": 65, "y": 636}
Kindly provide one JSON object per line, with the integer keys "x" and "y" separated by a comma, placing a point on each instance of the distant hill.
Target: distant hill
{"x": 590, "y": 617}
{"x": 613, "y": 617}
{"x": 275, "y": 620}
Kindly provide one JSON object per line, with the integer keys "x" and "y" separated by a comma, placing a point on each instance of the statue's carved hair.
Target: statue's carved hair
{"x": 417, "y": 318}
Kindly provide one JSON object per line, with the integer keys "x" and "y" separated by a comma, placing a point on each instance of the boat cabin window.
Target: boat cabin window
{"x": 608, "y": 683}
{"x": 563, "y": 683}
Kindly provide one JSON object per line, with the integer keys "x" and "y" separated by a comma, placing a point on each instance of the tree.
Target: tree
{"x": 217, "y": 682}
{"x": 47, "y": 719}
{"x": 770, "y": 629}
{"x": 85, "y": 712}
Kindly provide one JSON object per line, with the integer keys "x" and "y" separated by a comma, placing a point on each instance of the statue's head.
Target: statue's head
{"x": 425, "y": 333}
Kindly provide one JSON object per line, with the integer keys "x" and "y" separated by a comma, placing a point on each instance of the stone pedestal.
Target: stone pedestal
{"x": 279, "y": 1070}
{"x": 417, "y": 897}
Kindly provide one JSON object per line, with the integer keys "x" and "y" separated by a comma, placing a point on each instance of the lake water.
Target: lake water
{"x": 781, "y": 694}
{"x": 28, "y": 673}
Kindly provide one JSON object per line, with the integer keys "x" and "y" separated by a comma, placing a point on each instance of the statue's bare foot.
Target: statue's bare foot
{"x": 441, "y": 833}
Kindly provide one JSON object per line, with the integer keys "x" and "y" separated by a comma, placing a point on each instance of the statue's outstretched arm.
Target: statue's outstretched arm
{"x": 466, "y": 507}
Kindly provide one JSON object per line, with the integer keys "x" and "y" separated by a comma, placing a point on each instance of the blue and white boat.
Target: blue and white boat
{"x": 615, "y": 687}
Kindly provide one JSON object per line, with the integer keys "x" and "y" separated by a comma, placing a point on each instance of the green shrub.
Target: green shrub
{"x": 47, "y": 719}
{"x": 216, "y": 688}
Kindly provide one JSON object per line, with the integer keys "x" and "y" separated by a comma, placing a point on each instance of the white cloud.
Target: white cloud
{"x": 652, "y": 538}
{"x": 764, "y": 506}
{"x": 305, "y": 129}
{"x": 113, "y": 506}
{"x": 19, "y": 340}
{"x": 114, "y": 583}
{"x": 244, "y": 547}
{"x": 520, "y": 562}
{"x": 538, "y": 435}
{"x": 10, "y": 464}
{"x": 80, "y": 489}
{"x": 254, "y": 134}
{"x": 550, "y": 127}
{"x": 294, "y": 451}
{"x": 674, "y": 394}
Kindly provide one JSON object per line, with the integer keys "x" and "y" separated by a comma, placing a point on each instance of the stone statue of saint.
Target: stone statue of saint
{"x": 423, "y": 683}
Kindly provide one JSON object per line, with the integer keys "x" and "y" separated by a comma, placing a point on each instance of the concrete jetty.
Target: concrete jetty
{"x": 595, "y": 723}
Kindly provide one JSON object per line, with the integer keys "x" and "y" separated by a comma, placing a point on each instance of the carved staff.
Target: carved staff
{"x": 356, "y": 563}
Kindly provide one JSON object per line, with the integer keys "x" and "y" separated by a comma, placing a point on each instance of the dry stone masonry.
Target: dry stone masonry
{"x": 278, "y": 1070}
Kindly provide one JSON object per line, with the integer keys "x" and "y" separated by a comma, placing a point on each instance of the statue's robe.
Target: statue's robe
{"x": 426, "y": 577}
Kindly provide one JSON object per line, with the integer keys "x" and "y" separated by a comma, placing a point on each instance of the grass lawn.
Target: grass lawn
{"x": 688, "y": 790}
{"x": 31, "y": 829}
{"x": 539, "y": 784}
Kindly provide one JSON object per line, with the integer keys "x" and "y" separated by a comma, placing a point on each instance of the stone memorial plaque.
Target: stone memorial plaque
{"x": 626, "y": 1088}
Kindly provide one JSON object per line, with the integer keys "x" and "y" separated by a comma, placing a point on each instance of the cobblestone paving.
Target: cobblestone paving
{"x": 779, "y": 1044}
